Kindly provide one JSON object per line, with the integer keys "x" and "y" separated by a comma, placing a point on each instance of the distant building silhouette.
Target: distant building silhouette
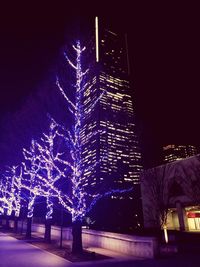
{"x": 177, "y": 152}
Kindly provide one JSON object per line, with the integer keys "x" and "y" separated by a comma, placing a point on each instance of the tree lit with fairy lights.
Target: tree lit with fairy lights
{"x": 57, "y": 157}
{"x": 83, "y": 199}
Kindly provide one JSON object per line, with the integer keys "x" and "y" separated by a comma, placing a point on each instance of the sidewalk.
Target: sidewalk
{"x": 14, "y": 253}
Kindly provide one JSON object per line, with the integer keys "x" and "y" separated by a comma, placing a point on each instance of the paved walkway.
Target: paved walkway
{"x": 17, "y": 253}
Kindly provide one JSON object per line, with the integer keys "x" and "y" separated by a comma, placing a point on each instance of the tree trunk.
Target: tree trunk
{"x": 7, "y": 222}
{"x": 47, "y": 234}
{"x": 16, "y": 224}
{"x": 77, "y": 247}
{"x": 61, "y": 228}
{"x": 28, "y": 229}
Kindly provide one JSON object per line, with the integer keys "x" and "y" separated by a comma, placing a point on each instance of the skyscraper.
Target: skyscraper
{"x": 108, "y": 134}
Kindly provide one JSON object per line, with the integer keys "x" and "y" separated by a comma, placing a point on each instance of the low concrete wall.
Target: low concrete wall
{"x": 145, "y": 247}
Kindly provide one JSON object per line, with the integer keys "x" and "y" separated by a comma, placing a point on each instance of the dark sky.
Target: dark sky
{"x": 164, "y": 54}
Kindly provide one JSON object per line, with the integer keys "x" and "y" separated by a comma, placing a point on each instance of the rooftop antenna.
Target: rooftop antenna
{"x": 127, "y": 54}
{"x": 97, "y": 38}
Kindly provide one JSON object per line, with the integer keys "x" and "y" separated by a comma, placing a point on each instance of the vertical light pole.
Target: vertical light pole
{"x": 97, "y": 38}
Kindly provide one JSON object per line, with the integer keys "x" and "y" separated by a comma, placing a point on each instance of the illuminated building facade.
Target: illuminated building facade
{"x": 171, "y": 191}
{"x": 177, "y": 152}
{"x": 108, "y": 134}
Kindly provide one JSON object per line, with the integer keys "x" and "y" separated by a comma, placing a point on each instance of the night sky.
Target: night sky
{"x": 164, "y": 55}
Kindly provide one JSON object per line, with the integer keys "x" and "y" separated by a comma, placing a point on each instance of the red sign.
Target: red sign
{"x": 193, "y": 214}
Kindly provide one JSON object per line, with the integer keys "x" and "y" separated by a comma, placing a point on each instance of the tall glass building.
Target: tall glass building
{"x": 108, "y": 134}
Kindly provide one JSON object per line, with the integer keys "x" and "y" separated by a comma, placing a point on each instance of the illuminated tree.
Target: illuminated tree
{"x": 31, "y": 169}
{"x": 45, "y": 166}
{"x": 82, "y": 196}
{"x": 4, "y": 196}
{"x": 12, "y": 191}
{"x": 1, "y": 198}
{"x": 50, "y": 171}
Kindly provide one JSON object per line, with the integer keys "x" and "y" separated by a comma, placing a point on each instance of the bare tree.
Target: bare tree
{"x": 155, "y": 192}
